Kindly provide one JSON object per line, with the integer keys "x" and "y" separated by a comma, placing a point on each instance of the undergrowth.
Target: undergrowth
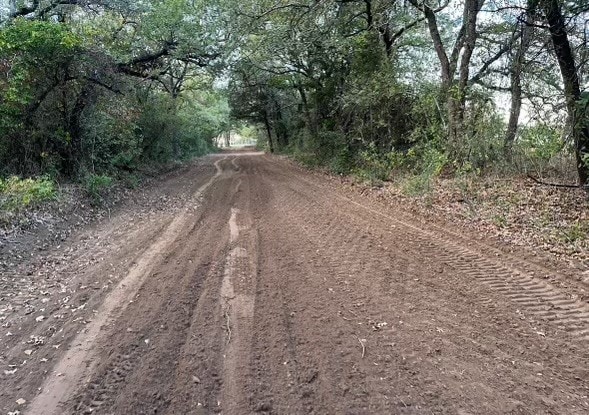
{"x": 96, "y": 186}
{"x": 17, "y": 193}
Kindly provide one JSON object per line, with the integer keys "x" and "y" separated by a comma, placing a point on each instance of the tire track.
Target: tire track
{"x": 393, "y": 272}
{"x": 99, "y": 393}
{"x": 279, "y": 295}
{"x": 69, "y": 372}
{"x": 537, "y": 298}
{"x": 238, "y": 312}
{"x": 324, "y": 379}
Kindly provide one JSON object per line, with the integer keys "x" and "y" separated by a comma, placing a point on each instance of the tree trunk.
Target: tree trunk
{"x": 282, "y": 130}
{"x": 369, "y": 15}
{"x": 307, "y": 111}
{"x": 269, "y": 131}
{"x": 454, "y": 89}
{"x": 570, "y": 78}
{"x": 74, "y": 128}
{"x": 471, "y": 11}
{"x": 176, "y": 139}
{"x": 387, "y": 39}
{"x": 516, "y": 87}
{"x": 432, "y": 24}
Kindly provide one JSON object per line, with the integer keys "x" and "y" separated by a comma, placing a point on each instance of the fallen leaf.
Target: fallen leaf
{"x": 28, "y": 352}
{"x": 40, "y": 318}
{"x": 21, "y": 401}
{"x": 379, "y": 325}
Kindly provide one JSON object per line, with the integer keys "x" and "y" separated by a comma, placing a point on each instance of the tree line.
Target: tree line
{"x": 96, "y": 87}
{"x": 92, "y": 86}
{"x": 422, "y": 83}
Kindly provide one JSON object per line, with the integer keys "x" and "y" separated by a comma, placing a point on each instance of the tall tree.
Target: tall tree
{"x": 516, "y": 70}
{"x": 563, "y": 50}
{"x": 455, "y": 66}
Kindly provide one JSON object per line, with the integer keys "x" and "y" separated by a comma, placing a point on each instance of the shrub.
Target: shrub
{"x": 540, "y": 150}
{"x": 373, "y": 165}
{"x": 343, "y": 162}
{"x": 17, "y": 194}
{"x": 96, "y": 186}
{"x": 428, "y": 162}
{"x": 540, "y": 142}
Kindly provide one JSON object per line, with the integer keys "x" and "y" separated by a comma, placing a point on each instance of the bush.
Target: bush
{"x": 169, "y": 134}
{"x": 373, "y": 165}
{"x": 96, "y": 186}
{"x": 36, "y": 57}
{"x": 428, "y": 162}
{"x": 540, "y": 150}
{"x": 343, "y": 162}
{"x": 17, "y": 194}
{"x": 540, "y": 141}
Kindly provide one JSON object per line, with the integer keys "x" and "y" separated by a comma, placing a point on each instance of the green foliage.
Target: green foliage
{"x": 426, "y": 162}
{"x": 368, "y": 56}
{"x": 427, "y": 111}
{"x": 107, "y": 92}
{"x": 96, "y": 186}
{"x": 540, "y": 141}
{"x": 34, "y": 40}
{"x": 539, "y": 149}
{"x": 17, "y": 194}
{"x": 169, "y": 133}
{"x": 343, "y": 162}
{"x": 248, "y": 134}
{"x": 109, "y": 131}
{"x": 576, "y": 232}
{"x": 129, "y": 180}
{"x": 138, "y": 83}
{"x": 379, "y": 109}
{"x": 32, "y": 50}
{"x": 373, "y": 165}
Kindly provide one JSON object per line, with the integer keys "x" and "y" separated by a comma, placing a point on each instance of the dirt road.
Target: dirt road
{"x": 268, "y": 290}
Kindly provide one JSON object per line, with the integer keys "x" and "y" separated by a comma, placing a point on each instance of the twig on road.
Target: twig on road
{"x": 228, "y": 320}
{"x": 363, "y": 344}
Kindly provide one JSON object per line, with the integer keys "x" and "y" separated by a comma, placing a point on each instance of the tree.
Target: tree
{"x": 572, "y": 90}
{"x": 455, "y": 66}
{"x": 97, "y": 51}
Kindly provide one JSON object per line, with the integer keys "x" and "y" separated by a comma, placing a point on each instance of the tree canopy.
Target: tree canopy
{"x": 445, "y": 79}
{"x": 372, "y": 84}
{"x": 92, "y": 86}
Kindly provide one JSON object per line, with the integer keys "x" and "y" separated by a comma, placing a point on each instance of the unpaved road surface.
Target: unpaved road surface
{"x": 270, "y": 290}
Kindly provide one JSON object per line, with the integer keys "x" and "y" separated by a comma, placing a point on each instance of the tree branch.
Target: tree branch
{"x": 502, "y": 51}
{"x": 565, "y": 186}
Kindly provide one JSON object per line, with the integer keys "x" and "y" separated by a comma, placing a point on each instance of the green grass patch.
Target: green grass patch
{"x": 97, "y": 186}
{"x": 17, "y": 194}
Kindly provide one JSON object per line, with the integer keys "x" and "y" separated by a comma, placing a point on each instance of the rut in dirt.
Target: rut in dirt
{"x": 271, "y": 291}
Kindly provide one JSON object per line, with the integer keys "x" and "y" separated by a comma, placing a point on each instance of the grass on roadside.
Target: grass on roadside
{"x": 17, "y": 193}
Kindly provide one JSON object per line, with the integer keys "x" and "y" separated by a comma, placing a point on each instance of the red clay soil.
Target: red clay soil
{"x": 270, "y": 291}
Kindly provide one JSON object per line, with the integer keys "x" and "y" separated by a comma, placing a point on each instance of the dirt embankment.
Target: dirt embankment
{"x": 268, "y": 290}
